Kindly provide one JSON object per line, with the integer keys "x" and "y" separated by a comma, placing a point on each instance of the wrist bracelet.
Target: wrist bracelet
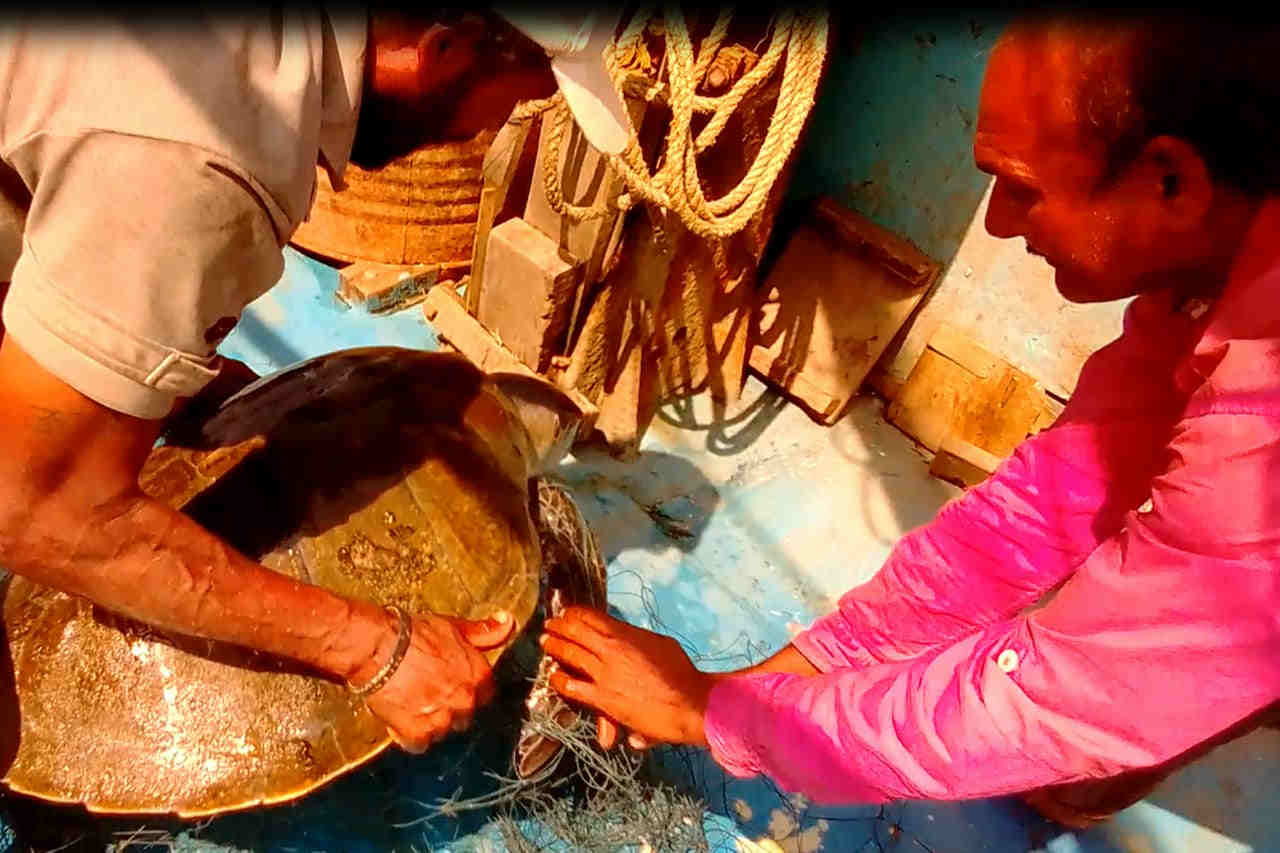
{"x": 383, "y": 675}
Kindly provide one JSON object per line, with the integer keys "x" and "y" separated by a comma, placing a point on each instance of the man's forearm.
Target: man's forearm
{"x": 137, "y": 557}
{"x": 72, "y": 517}
{"x": 789, "y": 661}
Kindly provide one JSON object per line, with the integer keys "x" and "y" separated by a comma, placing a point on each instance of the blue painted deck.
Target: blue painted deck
{"x": 729, "y": 533}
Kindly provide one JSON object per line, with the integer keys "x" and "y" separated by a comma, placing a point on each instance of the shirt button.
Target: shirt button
{"x": 1008, "y": 660}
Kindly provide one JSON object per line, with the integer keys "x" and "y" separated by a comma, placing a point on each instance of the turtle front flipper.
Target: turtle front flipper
{"x": 551, "y": 419}
{"x": 573, "y": 573}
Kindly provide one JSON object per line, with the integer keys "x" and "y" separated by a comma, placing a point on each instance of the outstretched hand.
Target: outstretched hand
{"x": 633, "y": 677}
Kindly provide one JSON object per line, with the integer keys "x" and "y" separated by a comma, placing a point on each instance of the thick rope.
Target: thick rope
{"x": 676, "y": 185}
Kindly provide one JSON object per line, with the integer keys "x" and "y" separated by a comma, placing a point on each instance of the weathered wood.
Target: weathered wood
{"x": 382, "y": 287}
{"x": 840, "y": 291}
{"x": 965, "y": 391}
{"x": 962, "y": 462}
{"x": 615, "y": 361}
{"x": 501, "y": 162}
{"x": 585, "y": 180}
{"x": 925, "y": 406}
{"x": 527, "y": 292}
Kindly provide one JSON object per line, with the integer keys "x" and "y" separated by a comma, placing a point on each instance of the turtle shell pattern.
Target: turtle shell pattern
{"x": 390, "y": 475}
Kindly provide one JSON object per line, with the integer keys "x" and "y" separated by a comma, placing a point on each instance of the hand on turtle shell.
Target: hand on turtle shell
{"x": 441, "y": 681}
{"x": 634, "y": 677}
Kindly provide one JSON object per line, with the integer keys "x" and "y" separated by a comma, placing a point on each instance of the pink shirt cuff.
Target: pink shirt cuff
{"x": 733, "y": 709}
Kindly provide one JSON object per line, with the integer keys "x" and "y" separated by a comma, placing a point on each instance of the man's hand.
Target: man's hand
{"x": 440, "y": 683}
{"x": 639, "y": 679}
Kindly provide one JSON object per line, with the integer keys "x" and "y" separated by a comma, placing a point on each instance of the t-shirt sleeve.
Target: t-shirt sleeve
{"x": 138, "y": 257}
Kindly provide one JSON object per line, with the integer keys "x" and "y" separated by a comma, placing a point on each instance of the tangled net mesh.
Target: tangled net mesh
{"x": 583, "y": 799}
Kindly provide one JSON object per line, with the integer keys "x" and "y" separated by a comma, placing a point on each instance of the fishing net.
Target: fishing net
{"x": 583, "y": 798}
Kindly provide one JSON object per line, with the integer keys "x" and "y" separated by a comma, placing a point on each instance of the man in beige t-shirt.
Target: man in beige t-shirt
{"x": 150, "y": 174}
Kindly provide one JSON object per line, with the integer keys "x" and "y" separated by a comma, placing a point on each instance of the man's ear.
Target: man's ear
{"x": 1183, "y": 187}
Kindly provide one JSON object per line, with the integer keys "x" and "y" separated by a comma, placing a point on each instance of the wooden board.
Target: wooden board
{"x": 586, "y": 179}
{"x": 925, "y": 407}
{"x": 384, "y": 287}
{"x": 962, "y": 462}
{"x": 501, "y": 162}
{"x": 840, "y": 291}
{"x": 1002, "y": 412}
{"x": 959, "y": 389}
{"x": 527, "y": 292}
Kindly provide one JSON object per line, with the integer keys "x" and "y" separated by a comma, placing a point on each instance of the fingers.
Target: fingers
{"x": 606, "y": 732}
{"x": 484, "y": 686}
{"x": 582, "y": 625}
{"x": 573, "y": 655}
{"x": 607, "y": 735}
{"x": 486, "y": 633}
{"x": 437, "y": 723}
{"x": 579, "y": 691}
{"x": 590, "y": 619}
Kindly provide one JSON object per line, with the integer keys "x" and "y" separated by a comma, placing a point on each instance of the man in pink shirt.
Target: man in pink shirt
{"x": 1139, "y": 158}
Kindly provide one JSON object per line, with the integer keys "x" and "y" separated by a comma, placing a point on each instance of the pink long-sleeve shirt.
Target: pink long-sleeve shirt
{"x": 1154, "y": 501}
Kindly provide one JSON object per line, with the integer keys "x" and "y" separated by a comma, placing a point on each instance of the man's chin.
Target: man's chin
{"x": 1082, "y": 289}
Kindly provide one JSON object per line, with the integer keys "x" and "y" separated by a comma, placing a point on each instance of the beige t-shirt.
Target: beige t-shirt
{"x": 152, "y": 172}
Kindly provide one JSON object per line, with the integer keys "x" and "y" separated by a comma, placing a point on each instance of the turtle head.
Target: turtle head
{"x": 550, "y": 417}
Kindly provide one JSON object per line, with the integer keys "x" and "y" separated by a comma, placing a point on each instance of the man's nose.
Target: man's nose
{"x": 1006, "y": 211}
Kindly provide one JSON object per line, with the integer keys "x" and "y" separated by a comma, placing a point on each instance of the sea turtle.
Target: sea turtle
{"x": 393, "y": 475}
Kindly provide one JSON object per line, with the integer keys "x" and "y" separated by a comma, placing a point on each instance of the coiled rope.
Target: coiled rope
{"x": 798, "y": 42}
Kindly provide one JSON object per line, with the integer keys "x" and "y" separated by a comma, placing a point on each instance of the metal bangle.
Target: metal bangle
{"x": 383, "y": 675}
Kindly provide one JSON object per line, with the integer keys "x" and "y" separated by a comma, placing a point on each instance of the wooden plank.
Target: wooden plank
{"x": 501, "y": 161}
{"x": 1002, "y": 411}
{"x": 585, "y": 179}
{"x": 962, "y": 462}
{"x": 943, "y": 397}
{"x": 926, "y": 404}
{"x": 383, "y": 287}
{"x": 617, "y": 367}
{"x": 1051, "y": 410}
{"x": 949, "y": 341}
{"x": 895, "y": 253}
{"x": 527, "y": 292}
{"x": 837, "y": 295}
